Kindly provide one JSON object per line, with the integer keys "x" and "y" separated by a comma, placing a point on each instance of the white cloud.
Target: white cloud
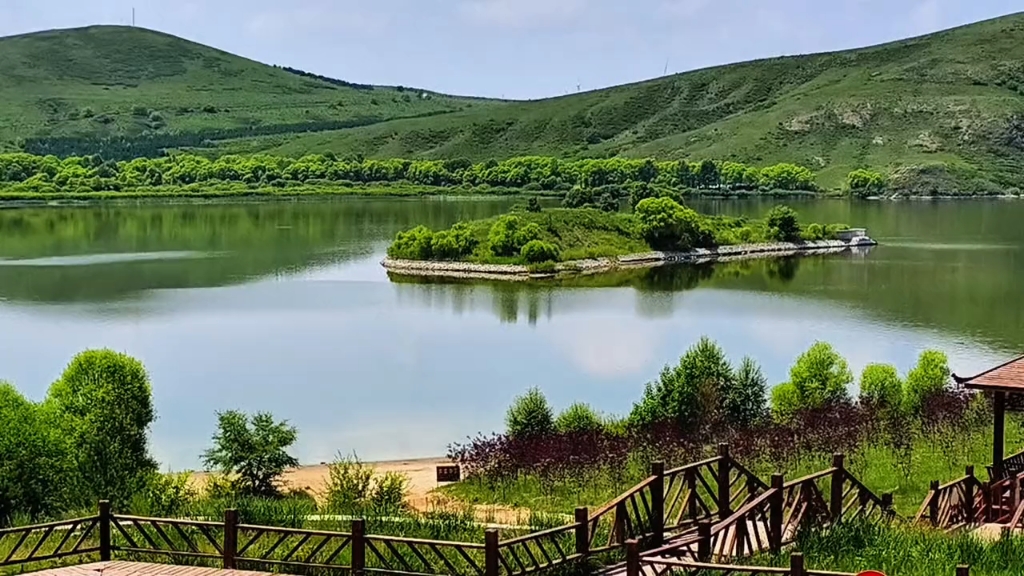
{"x": 521, "y": 13}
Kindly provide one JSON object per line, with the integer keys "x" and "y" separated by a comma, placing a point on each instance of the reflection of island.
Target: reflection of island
{"x": 655, "y": 288}
{"x": 105, "y": 253}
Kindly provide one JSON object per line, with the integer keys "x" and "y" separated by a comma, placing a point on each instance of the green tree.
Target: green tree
{"x": 415, "y": 244}
{"x": 529, "y": 415}
{"x": 102, "y": 406}
{"x": 746, "y": 401}
{"x": 578, "y": 418}
{"x": 692, "y": 393}
{"x": 502, "y": 236}
{"x": 880, "y": 385}
{"x": 821, "y": 376}
{"x": 252, "y": 451}
{"x": 783, "y": 224}
{"x": 866, "y": 182}
{"x": 35, "y": 470}
{"x": 666, "y": 225}
{"x": 929, "y": 377}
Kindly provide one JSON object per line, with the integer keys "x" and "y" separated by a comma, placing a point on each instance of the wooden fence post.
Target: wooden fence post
{"x": 704, "y": 541}
{"x": 836, "y": 492}
{"x": 887, "y": 503}
{"x": 621, "y": 516}
{"x": 230, "y": 548}
{"x": 491, "y": 561}
{"x": 582, "y": 531}
{"x": 933, "y": 504}
{"x": 775, "y": 511}
{"x": 104, "y": 522}
{"x": 963, "y": 571}
{"x": 358, "y": 547}
{"x": 969, "y": 496}
{"x": 796, "y": 564}
{"x": 658, "y": 503}
{"x": 724, "y": 497}
{"x": 632, "y": 558}
{"x": 692, "y": 511}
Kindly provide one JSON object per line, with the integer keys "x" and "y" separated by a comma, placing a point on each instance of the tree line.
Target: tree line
{"x": 49, "y": 172}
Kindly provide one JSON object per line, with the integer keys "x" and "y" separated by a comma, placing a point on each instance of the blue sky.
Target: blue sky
{"x": 512, "y": 48}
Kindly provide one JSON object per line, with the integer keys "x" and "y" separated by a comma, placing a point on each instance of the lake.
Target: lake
{"x": 284, "y": 307}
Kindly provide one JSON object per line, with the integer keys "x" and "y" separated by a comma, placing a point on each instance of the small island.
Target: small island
{"x": 536, "y": 243}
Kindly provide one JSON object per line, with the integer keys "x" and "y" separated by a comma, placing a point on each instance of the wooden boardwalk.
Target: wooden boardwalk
{"x": 142, "y": 569}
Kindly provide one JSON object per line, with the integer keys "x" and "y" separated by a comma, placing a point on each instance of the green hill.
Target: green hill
{"x": 955, "y": 97}
{"x": 942, "y": 112}
{"x": 132, "y": 83}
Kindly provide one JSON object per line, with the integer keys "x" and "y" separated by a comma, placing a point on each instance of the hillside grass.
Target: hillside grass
{"x": 111, "y": 80}
{"x": 946, "y": 99}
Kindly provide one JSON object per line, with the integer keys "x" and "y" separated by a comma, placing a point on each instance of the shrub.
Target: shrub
{"x": 348, "y": 484}
{"x": 666, "y": 225}
{"x": 533, "y": 205}
{"x": 782, "y": 223}
{"x": 865, "y": 182}
{"x": 415, "y": 244}
{"x": 578, "y": 418}
{"x": 832, "y": 230}
{"x": 529, "y": 416}
{"x": 453, "y": 243}
{"x": 253, "y": 451}
{"x": 814, "y": 231}
{"x": 536, "y": 251}
{"x": 880, "y": 385}
{"x": 34, "y": 466}
{"x": 786, "y": 402}
{"x": 509, "y": 234}
{"x": 821, "y": 376}
{"x": 103, "y": 407}
{"x": 608, "y": 203}
{"x": 928, "y": 378}
{"x": 165, "y": 496}
{"x": 353, "y": 488}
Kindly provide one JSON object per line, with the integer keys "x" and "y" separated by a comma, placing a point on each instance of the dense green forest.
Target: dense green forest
{"x": 941, "y": 114}
{"x": 50, "y": 174}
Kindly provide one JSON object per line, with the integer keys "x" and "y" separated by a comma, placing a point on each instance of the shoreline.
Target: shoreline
{"x": 520, "y": 272}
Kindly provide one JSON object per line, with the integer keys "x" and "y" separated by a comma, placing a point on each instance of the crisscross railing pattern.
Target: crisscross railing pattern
{"x": 691, "y": 494}
{"x": 542, "y": 550}
{"x": 625, "y": 518}
{"x": 804, "y": 501}
{"x": 960, "y": 503}
{"x": 51, "y": 541}
{"x": 141, "y": 536}
{"x": 266, "y": 547}
{"x": 748, "y": 531}
{"x": 388, "y": 555}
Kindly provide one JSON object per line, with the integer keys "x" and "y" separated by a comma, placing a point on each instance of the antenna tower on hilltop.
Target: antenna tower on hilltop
{"x": 133, "y": 16}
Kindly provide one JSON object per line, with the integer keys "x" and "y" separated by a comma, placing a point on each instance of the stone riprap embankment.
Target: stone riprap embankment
{"x": 514, "y": 272}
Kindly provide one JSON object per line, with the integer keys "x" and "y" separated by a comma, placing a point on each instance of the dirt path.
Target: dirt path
{"x": 422, "y": 475}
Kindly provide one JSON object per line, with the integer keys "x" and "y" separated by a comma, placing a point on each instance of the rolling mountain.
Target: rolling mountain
{"x": 942, "y": 110}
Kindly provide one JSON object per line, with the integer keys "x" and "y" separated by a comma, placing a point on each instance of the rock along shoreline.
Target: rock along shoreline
{"x": 517, "y": 272}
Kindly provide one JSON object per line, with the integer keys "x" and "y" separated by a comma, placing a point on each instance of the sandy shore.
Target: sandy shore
{"x": 421, "y": 472}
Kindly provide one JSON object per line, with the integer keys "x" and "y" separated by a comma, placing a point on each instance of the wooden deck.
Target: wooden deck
{"x": 142, "y": 569}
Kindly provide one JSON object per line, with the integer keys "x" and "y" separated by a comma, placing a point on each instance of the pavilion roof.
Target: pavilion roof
{"x": 1007, "y": 377}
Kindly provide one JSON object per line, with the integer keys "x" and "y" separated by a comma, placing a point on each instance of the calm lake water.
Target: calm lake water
{"x": 284, "y": 307}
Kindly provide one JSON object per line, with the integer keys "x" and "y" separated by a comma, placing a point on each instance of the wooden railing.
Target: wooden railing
{"x": 637, "y": 565}
{"x": 963, "y": 502}
{"x": 53, "y": 541}
{"x": 710, "y": 510}
{"x": 1011, "y": 466}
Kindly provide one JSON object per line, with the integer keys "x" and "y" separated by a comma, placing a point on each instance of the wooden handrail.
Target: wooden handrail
{"x": 682, "y": 469}
{"x": 809, "y": 478}
{"x": 622, "y": 498}
{"x": 537, "y": 535}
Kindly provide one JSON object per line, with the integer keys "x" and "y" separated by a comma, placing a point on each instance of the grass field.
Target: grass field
{"x": 106, "y": 80}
